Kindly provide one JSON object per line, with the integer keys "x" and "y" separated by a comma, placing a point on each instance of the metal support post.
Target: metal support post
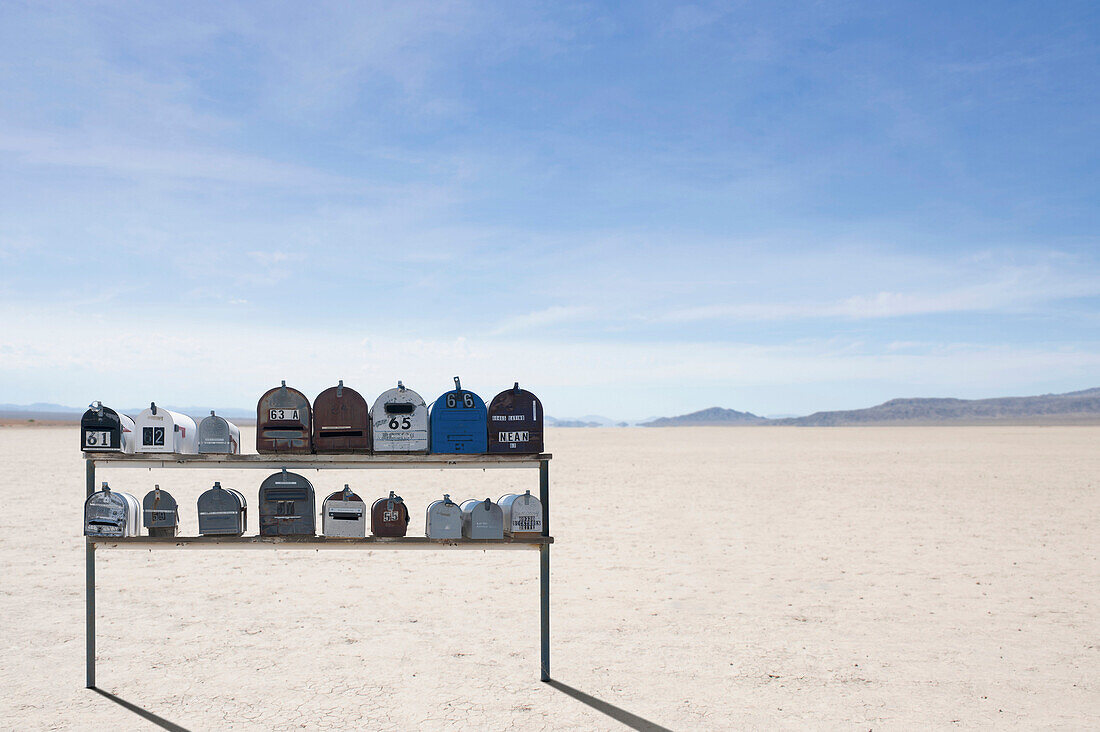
{"x": 544, "y": 568}
{"x": 89, "y": 597}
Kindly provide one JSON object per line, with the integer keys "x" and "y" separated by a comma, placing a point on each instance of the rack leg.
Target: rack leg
{"x": 544, "y": 569}
{"x": 89, "y": 597}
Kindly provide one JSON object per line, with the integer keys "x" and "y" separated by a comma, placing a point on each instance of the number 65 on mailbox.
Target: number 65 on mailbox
{"x": 399, "y": 421}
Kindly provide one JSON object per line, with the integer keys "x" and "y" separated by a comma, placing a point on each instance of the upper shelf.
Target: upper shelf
{"x": 316, "y": 462}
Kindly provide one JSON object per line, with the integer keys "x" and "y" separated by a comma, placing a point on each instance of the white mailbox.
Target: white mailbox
{"x": 482, "y": 520}
{"x": 399, "y": 421}
{"x": 162, "y": 430}
{"x": 522, "y": 515}
{"x": 344, "y": 514}
{"x": 443, "y": 520}
{"x": 111, "y": 513}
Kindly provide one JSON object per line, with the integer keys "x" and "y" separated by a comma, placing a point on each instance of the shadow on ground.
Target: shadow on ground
{"x": 620, "y": 715}
{"x": 159, "y": 721}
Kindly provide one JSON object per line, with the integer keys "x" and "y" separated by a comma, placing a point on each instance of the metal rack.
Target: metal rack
{"x": 322, "y": 462}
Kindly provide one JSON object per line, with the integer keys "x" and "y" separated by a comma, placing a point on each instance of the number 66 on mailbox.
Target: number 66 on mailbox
{"x": 399, "y": 421}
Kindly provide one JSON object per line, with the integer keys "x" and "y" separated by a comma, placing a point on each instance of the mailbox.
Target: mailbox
{"x": 222, "y": 511}
{"x": 287, "y": 506}
{"x": 344, "y": 514}
{"x": 162, "y": 430}
{"x": 444, "y": 520}
{"x": 111, "y": 513}
{"x": 482, "y": 520}
{"x": 219, "y": 435}
{"x": 399, "y": 421}
{"x": 161, "y": 516}
{"x": 389, "y": 516}
{"x": 522, "y": 515}
{"x": 102, "y": 429}
{"x": 515, "y": 422}
{"x": 341, "y": 421}
{"x": 283, "y": 419}
{"x": 458, "y": 422}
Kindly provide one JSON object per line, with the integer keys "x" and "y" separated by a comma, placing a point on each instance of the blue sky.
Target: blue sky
{"x": 635, "y": 209}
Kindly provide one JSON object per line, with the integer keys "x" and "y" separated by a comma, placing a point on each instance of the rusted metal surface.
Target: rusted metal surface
{"x": 287, "y": 506}
{"x": 341, "y": 421}
{"x": 160, "y": 514}
{"x": 284, "y": 422}
{"x": 515, "y": 422}
{"x": 399, "y": 421}
{"x": 389, "y": 516}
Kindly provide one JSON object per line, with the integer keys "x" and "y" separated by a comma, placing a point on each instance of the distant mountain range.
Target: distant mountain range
{"x": 1077, "y": 406}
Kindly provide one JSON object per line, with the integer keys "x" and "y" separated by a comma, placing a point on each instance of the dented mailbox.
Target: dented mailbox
{"x": 102, "y": 429}
{"x": 287, "y": 506}
{"x": 443, "y": 520}
{"x": 283, "y": 420}
{"x": 160, "y": 513}
{"x": 399, "y": 421}
{"x": 111, "y": 513}
{"x": 162, "y": 430}
{"x": 522, "y": 515}
{"x": 341, "y": 421}
{"x": 458, "y": 422}
{"x": 219, "y": 435}
{"x": 222, "y": 512}
{"x": 515, "y": 422}
{"x": 344, "y": 514}
{"x": 389, "y": 516}
{"x": 482, "y": 520}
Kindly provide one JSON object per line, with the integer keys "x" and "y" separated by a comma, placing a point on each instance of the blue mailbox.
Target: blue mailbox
{"x": 458, "y": 420}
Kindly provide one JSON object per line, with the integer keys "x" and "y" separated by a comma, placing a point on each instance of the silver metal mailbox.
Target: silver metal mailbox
{"x": 219, "y": 435}
{"x": 111, "y": 513}
{"x": 482, "y": 520}
{"x": 287, "y": 506}
{"x": 222, "y": 512}
{"x": 344, "y": 514}
{"x": 162, "y": 430}
{"x": 522, "y": 514}
{"x": 102, "y": 429}
{"x": 399, "y": 421}
{"x": 160, "y": 514}
{"x": 443, "y": 519}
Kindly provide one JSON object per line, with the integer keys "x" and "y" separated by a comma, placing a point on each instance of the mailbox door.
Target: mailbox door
{"x": 344, "y": 518}
{"x": 287, "y": 506}
{"x": 218, "y": 435}
{"x": 522, "y": 515}
{"x": 106, "y": 514}
{"x": 515, "y": 423}
{"x": 165, "y": 431}
{"x": 458, "y": 420}
{"x": 283, "y": 422}
{"x": 106, "y": 431}
{"x": 481, "y": 522}
{"x": 444, "y": 521}
{"x": 399, "y": 422}
{"x": 389, "y": 517}
{"x": 341, "y": 421}
{"x": 160, "y": 514}
{"x": 221, "y": 512}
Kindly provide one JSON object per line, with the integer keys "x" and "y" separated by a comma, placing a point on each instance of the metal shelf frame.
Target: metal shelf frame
{"x": 315, "y": 543}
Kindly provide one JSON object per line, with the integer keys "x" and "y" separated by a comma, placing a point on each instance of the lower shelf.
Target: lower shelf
{"x": 313, "y": 542}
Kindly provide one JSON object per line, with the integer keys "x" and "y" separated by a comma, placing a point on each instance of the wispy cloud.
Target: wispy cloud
{"x": 554, "y": 315}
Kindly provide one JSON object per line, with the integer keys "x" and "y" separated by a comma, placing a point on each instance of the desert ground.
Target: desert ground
{"x": 703, "y": 578}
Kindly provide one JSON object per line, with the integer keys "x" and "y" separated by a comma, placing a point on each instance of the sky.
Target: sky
{"x": 633, "y": 209}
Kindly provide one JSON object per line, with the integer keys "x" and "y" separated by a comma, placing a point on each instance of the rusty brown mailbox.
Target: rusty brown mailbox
{"x": 389, "y": 516}
{"x": 341, "y": 421}
{"x": 515, "y": 422}
{"x": 283, "y": 422}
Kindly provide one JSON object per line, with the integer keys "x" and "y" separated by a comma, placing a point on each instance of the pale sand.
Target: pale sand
{"x": 703, "y": 579}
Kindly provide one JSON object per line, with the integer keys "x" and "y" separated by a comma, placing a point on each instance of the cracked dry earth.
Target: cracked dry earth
{"x": 703, "y": 579}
